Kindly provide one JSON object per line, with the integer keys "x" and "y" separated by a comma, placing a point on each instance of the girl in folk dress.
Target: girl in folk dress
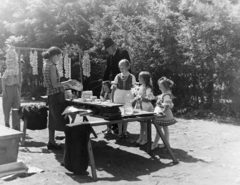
{"x": 164, "y": 105}
{"x": 144, "y": 98}
{"x": 121, "y": 93}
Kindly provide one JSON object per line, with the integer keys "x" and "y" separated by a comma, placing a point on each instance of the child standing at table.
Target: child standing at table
{"x": 121, "y": 93}
{"x": 104, "y": 96}
{"x": 144, "y": 97}
{"x": 164, "y": 105}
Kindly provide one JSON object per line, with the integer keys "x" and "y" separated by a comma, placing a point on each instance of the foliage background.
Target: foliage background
{"x": 193, "y": 42}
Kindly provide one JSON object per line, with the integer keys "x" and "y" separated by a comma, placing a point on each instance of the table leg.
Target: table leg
{"x": 24, "y": 131}
{"x": 159, "y": 131}
{"x": 149, "y": 136}
{"x": 85, "y": 119}
{"x": 90, "y": 154}
{"x": 91, "y": 160}
{"x": 74, "y": 118}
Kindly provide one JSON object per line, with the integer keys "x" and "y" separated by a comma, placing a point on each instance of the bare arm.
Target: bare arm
{"x": 165, "y": 108}
{"x": 114, "y": 87}
{"x": 3, "y": 85}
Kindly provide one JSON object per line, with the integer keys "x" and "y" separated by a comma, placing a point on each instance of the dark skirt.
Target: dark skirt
{"x": 57, "y": 105}
{"x": 76, "y": 147}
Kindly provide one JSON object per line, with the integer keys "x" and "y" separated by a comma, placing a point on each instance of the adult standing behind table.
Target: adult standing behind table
{"x": 56, "y": 96}
{"x": 112, "y": 68}
{"x": 11, "y": 97}
{"x": 113, "y": 59}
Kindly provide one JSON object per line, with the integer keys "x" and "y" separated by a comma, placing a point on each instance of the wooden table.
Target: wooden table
{"x": 149, "y": 121}
{"x": 101, "y": 121}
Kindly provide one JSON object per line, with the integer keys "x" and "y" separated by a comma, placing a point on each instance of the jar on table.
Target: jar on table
{"x": 128, "y": 109}
{"x": 68, "y": 94}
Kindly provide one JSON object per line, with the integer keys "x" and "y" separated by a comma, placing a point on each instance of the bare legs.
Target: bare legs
{"x": 143, "y": 134}
{"x": 122, "y": 129}
{"x": 166, "y": 134}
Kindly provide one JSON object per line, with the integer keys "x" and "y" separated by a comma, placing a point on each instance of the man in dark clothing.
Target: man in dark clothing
{"x": 112, "y": 69}
{"x": 114, "y": 58}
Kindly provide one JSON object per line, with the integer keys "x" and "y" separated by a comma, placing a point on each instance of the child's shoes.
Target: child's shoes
{"x": 139, "y": 140}
{"x": 125, "y": 135}
{"x": 143, "y": 142}
{"x": 120, "y": 136}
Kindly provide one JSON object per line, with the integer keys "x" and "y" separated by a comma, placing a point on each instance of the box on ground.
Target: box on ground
{"x": 9, "y": 144}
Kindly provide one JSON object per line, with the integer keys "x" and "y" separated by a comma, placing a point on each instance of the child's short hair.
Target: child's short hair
{"x": 125, "y": 62}
{"x": 166, "y": 82}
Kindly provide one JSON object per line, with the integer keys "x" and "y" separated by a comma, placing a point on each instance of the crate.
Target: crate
{"x": 9, "y": 144}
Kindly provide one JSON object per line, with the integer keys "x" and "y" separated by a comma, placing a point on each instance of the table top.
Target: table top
{"x": 99, "y": 104}
{"x": 8, "y": 133}
{"x": 100, "y": 121}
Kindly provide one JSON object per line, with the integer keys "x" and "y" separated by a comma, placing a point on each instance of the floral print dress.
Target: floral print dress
{"x": 165, "y": 99}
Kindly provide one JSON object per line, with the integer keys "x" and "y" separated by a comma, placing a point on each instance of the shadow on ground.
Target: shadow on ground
{"x": 118, "y": 164}
{"x": 181, "y": 155}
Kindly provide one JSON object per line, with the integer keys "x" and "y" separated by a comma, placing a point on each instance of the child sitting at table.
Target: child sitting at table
{"x": 106, "y": 91}
{"x": 143, "y": 99}
{"x": 164, "y": 105}
{"x": 122, "y": 94}
{"x": 104, "y": 96}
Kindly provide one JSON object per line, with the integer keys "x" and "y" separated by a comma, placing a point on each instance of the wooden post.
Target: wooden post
{"x": 159, "y": 131}
{"x": 20, "y": 76}
{"x": 91, "y": 160}
{"x": 149, "y": 136}
{"x": 24, "y": 131}
{"x": 81, "y": 70}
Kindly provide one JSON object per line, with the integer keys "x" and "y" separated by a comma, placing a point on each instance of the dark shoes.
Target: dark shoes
{"x": 115, "y": 131}
{"x": 60, "y": 137}
{"x": 51, "y": 146}
{"x": 123, "y": 135}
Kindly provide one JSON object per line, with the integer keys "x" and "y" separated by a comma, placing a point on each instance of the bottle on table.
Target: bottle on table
{"x": 128, "y": 109}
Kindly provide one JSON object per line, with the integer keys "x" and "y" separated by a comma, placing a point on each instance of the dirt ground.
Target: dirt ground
{"x": 208, "y": 153}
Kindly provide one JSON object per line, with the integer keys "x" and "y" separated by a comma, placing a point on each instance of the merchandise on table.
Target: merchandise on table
{"x": 87, "y": 95}
{"x": 76, "y": 85}
{"x": 68, "y": 94}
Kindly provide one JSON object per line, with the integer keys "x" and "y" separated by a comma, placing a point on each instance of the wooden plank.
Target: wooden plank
{"x": 24, "y": 131}
{"x": 100, "y": 121}
{"x": 94, "y": 103}
{"x": 27, "y": 48}
{"x": 149, "y": 136}
{"x": 91, "y": 160}
{"x": 8, "y": 133}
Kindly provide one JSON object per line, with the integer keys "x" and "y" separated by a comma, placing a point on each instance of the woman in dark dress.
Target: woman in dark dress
{"x": 55, "y": 93}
